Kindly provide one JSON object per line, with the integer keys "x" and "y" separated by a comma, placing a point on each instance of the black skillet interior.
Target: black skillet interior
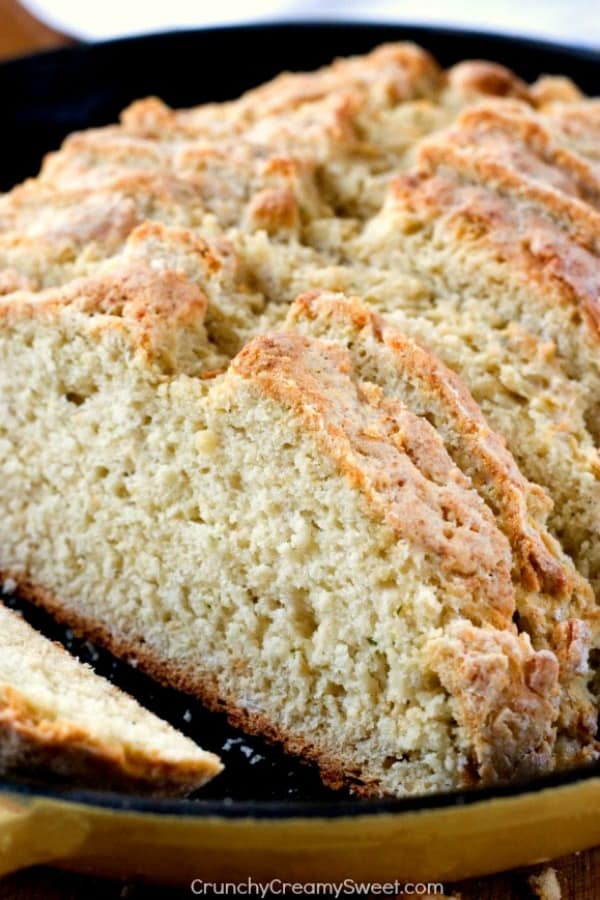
{"x": 48, "y": 96}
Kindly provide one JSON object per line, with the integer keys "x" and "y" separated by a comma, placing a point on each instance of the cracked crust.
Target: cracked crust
{"x": 396, "y": 459}
{"x": 550, "y": 238}
{"x": 511, "y": 134}
{"x": 505, "y": 697}
{"x": 481, "y": 77}
{"x": 440, "y": 392}
{"x": 153, "y": 306}
{"x": 390, "y": 74}
{"x": 154, "y": 291}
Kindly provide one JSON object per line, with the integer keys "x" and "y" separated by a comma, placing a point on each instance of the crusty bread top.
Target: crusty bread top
{"x": 511, "y": 134}
{"x": 519, "y": 503}
{"x": 318, "y": 147}
{"x": 387, "y": 76}
{"x": 577, "y": 125}
{"x": 395, "y": 457}
{"x": 154, "y": 305}
{"x": 390, "y": 74}
{"x": 152, "y": 290}
{"x": 548, "y": 237}
{"x": 506, "y": 697}
{"x": 507, "y": 692}
{"x": 555, "y": 601}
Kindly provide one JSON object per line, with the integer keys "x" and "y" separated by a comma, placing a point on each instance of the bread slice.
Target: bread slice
{"x": 286, "y": 542}
{"x": 553, "y": 603}
{"x": 59, "y": 719}
{"x": 499, "y": 224}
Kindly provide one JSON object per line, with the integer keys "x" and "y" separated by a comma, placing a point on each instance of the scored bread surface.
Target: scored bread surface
{"x": 59, "y": 719}
{"x": 383, "y": 556}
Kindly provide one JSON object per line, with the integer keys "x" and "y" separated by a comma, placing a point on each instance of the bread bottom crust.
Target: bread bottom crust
{"x": 334, "y": 773}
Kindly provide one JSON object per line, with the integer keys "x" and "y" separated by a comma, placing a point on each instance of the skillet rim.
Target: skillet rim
{"x": 295, "y": 809}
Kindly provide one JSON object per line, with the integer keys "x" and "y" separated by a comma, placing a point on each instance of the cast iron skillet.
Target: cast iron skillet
{"x": 46, "y": 97}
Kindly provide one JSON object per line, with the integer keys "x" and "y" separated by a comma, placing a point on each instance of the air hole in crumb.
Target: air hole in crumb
{"x": 235, "y": 481}
{"x": 390, "y": 761}
{"x": 335, "y": 690}
{"x": 76, "y": 399}
{"x": 592, "y": 421}
{"x": 303, "y": 613}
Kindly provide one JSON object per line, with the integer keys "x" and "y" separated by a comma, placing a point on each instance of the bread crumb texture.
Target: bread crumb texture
{"x": 300, "y": 410}
{"x": 545, "y": 885}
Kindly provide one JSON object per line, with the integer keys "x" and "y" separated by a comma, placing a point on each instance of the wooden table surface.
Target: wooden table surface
{"x": 578, "y": 875}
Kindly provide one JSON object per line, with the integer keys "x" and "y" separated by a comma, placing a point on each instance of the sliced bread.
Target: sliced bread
{"x": 554, "y": 604}
{"x": 499, "y": 225}
{"x": 289, "y": 543}
{"x": 317, "y": 529}
{"x": 59, "y": 719}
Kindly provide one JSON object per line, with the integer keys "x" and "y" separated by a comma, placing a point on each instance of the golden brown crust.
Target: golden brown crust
{"x": 506, "y": 699}
{"x": 155, "y": 304}
{"x": 77, "y": 218}
{"x": 479, "y": 76}
{"x": 83, "y": 151}
{"x": 577, "y": 219}
{"x": 547, "y": 237}
{"x": 511, "y": 134}
{"x": 33, "y": 745}
{"x": 153, "y": 239}
{"x": 577, "y": 124}
{"x": 519, "y": 502}
{"x": 390, "y": 74}
{"x": 551, "y": 89}
{"x": 149, "y": 293}
{"x": 40, "y": 739}
{"x": 83, "y": 209}
{"x": 548, "y": 588}
{"x": 385, "y": 77}
{"x": 395, "y": 459}
{"x": 179, "y": 184}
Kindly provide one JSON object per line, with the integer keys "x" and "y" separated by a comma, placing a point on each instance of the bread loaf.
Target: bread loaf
{"x": 363, "y": 521}
{"x": 287, "y": 540}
